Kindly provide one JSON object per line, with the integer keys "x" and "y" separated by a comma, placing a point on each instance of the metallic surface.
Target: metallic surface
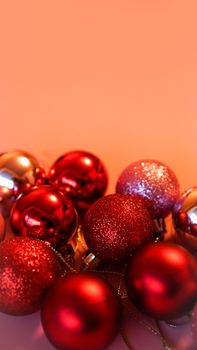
{"x": 153, "y": 181}
{"x": 81, "y": 258}
{"x": 161, "y": 280}
{"x": 116, "y": 225}
{"x": 81, "y": 175}
{"x": 19, "y": 171}
{"x": 45, "y": 213}
{"x": 28, "y": 267}
{"x": 185, "y": 219}
{"x": 81, "y": 311}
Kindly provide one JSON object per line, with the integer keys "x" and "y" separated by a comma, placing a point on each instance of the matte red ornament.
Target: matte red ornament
{"x": 28, "y": 267}
{"x": 116, "y": 225}
{"x": 185, "y": 219}
{"x": 81, "y": 312}
{"x": 81, "y": 175}
{"x": 153, "y": 181}
{"x": 45, "y": 213}
{"x": 161, "y": 280}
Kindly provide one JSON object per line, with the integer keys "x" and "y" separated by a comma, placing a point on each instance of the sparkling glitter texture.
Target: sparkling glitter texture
{"x": 152, "y": 180}
{"x": 116, "y": 225}
{"x": 27, "y": 269}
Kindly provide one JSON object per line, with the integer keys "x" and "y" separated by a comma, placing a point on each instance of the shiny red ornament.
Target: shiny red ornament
{"x": 161, "y": 280}
{"x": 28, "y": 267}
{"x": 45, "y": 213}
{"x": 81, "y": 312}
{"x": 152, "y": 180}
{"x": 116, "y": 225}
{"x": 2, "y": 228}
{"x": 19, "y": 171}
{"x": 81, "y": 175}
{"x": 185, "y": 219}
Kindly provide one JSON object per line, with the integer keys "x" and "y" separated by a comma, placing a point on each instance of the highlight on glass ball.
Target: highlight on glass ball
{"x": 28, "y": 267}
{"x": 161, "y": 281}
{"x": 82, "y": 176}
{"x": 152, "y": 180}
{"x": 116, "y": 225}
{"x": 45, "y": 213}
{"x": 19, "y": 171}
{"x": 185, "y": 219}
{"x": 81, "y": 311}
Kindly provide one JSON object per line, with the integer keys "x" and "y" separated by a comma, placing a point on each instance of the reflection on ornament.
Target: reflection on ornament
{"x": 82, "y": 176}
{"x": 185, "y": 219}
{"x": 45, "y": 213}
{"x": 19, "y": 171}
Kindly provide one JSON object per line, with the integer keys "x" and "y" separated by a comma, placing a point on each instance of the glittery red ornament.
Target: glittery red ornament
{"x": 45, "y": 213}
{"x": 153, "y": 181}
{"x": 116, "y": 225}
{"x": 161, "y": 280}
{"x": 2, "y": 228}
{"x": 28, "y": 267}
{"x": 81, "y": 175}
{"x": 185, "y": 219}
{"x": 81, "y": 312}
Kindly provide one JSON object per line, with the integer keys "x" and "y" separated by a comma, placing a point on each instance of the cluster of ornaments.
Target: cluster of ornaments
{"x": 64, "y": 215}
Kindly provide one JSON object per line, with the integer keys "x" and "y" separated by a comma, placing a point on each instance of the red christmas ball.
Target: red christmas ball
{"x": 45, "y": 213}
{"x": 81, "y": 312}
{"x": 161, "y": 280}
{"x": 185, "y": 219}
{"x": 81, "y": 175}
{"x": 153, "y": 181}
{"x": 116, "y": 225}
{"x": 28, "y": 267}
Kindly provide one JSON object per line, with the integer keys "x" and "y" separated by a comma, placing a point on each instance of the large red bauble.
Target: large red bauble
{"x": 19, "y": 171}
{"x": 81, "y": 175}
{"x": 81, "y": 312}
{"x": 153, "y": 181}
{"x": 45, "y": 213}
{"x": 161, "y": 280}
{"x": 28, "y": 267}
{"x": 116, "y": 225}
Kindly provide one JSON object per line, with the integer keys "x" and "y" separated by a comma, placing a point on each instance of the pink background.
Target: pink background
{"x": 118, "y": 78}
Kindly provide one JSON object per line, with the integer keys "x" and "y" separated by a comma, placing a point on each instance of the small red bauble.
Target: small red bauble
{"x": 45, "y": 213}
{"x": 28, "y": 267}
{"x": 185, "y": 219}
{"x": 153, "y": 181}
{"x": 81, "y": 312}
{"x": 81, "y": 175}
{"x": 116, "y": 225}
{"x": 161, "y": 280}
{"x": 19, "y": 171}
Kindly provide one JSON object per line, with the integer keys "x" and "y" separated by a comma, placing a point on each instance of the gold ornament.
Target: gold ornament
{"x": 19, "y": 171}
